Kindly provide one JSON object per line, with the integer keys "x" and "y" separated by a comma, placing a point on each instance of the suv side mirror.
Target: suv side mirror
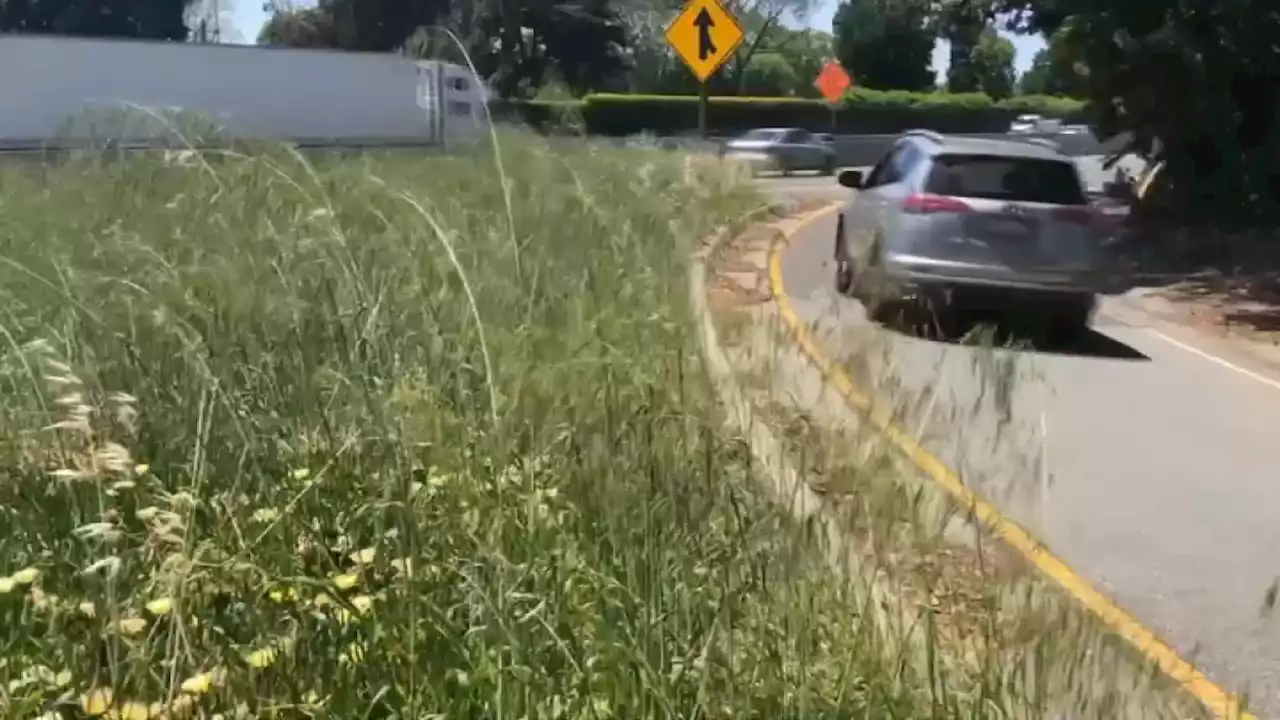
{"x": 851, "y": 179}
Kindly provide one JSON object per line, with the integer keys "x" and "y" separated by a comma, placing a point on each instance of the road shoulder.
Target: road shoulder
{"x": 986, "y": 615}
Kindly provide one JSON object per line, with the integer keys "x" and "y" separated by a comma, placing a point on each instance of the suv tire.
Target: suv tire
{"x": 845, "y": 275}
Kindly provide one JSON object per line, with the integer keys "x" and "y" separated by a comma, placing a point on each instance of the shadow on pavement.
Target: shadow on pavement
{"x": 1021, "y": 334}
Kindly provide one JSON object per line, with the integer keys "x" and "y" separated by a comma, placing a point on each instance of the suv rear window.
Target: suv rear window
{"x": 993, "y": 177}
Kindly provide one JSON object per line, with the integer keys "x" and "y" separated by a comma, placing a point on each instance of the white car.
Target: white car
{"x": 1029, "y": 124}
{"x": 1024, "y": 124}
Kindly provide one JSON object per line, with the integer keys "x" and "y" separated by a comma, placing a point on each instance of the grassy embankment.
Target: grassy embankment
{"x": 360, "y": 438}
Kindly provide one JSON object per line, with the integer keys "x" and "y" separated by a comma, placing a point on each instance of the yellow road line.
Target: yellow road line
{"x": 1217, "y": 700}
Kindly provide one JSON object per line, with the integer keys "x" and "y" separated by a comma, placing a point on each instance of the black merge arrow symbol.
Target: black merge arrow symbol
{"x": 703, "y": 21}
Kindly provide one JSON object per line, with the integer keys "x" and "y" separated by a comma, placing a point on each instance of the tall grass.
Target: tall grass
{"x": 296, "y": 438}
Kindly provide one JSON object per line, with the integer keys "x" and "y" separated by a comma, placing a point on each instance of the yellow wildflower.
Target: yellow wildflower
{"x": 262, "y": 658}
{"x": 403, "y": 565}
{"x": 7, "y": 585}
{"x": 97, "y": 701}
{"x": 365, "y": 556}
{"x": 131, "y": 626}
{"x": 266, "y": 515}
{"x": 88, "y": 609}
{"x": 39, "y": 600}
{"x": 300, "y": 474}
{"x": 362, "y": 603}
{"x": 131, "y": 711}
{"x": 282, "y": 594}
{"x": 197, "y": 684}
{"x": 160, "y": 606}
{"x": 26, "y": 576}
{"x": 141, "y": 469}
{"x": 62, "y": 679}
{"x": 322, "y": 601}
{"x": 204, "y": 682}
{"x": 352, "y": 654}
{"x": 182, "y": 706}
{"x": 345, "y": 581}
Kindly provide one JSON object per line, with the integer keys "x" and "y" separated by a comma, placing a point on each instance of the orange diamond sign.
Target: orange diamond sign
{"x": 832, "y": 81}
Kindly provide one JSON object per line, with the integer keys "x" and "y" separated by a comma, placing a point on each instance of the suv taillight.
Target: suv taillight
{"x": 925, "y": 204}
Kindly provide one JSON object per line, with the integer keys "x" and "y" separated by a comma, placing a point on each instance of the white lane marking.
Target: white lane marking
{"x": 1215, "y": 359}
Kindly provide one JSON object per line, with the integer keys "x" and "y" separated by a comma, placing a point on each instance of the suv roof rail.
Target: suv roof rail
{"x": 933, "y": 135}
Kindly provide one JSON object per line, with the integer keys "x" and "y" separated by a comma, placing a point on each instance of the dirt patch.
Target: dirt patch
{"x": 1223, "y": 284}
{"x": 1244, "y": 306}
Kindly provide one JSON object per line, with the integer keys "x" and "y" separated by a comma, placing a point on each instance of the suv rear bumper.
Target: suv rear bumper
{"x": 925, "y": 277}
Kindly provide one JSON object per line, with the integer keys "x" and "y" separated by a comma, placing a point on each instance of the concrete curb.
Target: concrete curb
{"x": 899, "y": 630}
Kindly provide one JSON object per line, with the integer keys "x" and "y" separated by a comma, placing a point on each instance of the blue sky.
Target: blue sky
{"x": 249, "y": 16}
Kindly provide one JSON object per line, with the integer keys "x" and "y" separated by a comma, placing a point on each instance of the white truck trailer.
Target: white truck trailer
{"x": 60, "y": 90}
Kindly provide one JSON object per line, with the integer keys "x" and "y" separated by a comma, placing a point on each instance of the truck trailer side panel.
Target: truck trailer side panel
{"x": 58, "y": 87}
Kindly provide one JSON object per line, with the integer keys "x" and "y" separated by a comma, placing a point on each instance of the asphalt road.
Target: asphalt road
{"x": 1143, "y": 455}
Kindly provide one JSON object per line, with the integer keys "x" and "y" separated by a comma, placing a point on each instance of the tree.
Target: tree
{"x": 516, "y": 44}
{"x": 1193, "y": 82}
{"x": 805, "y": 51}
{"x": 654, "y": 66}
{"x": 212, "y": 21}
{"x": 584, "y": 44}
{"x": 151, "y": 19}
{"x": 1055, "y": 70}
{"x": 769, "y": 74}
{"x": 375, "y": 25}
{"x": 885, "y": 45}
{"x": 991, "y": 62}
{"x": 761, "y": 20}
{"x": 300, "y": 28}
{"x": 961, "y": 23}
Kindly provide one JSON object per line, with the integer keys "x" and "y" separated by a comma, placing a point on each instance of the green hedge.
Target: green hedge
{"x": 859, "y": 112}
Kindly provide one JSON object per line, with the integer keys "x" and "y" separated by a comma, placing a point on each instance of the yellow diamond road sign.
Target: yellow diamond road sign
{"x": 704, "y": 35}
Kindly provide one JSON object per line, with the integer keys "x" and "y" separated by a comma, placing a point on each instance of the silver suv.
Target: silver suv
{"x": 984, "y": 224}
{"x": 785, "y": 150}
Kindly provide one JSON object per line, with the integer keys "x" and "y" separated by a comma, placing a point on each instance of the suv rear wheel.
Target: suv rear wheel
{"x": 844, "y": 267}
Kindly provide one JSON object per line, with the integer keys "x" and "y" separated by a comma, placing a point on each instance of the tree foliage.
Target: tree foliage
{"x": 762, "y": 22}
{"x": 581, "y": 44}
{"x": 806, "y": 51}
{"x": 885, "y": 45}
{"x": 1194, "y": 82}
{"x": 962, "y": 25}
{"x": 151, "y": 19}
{"x": 301, "y": 28}
{"x": 1055, "y": 70}
{"x": 769, "y": 75}
{"x": 991, "y": 63}
{"x": 517, "y": 44}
